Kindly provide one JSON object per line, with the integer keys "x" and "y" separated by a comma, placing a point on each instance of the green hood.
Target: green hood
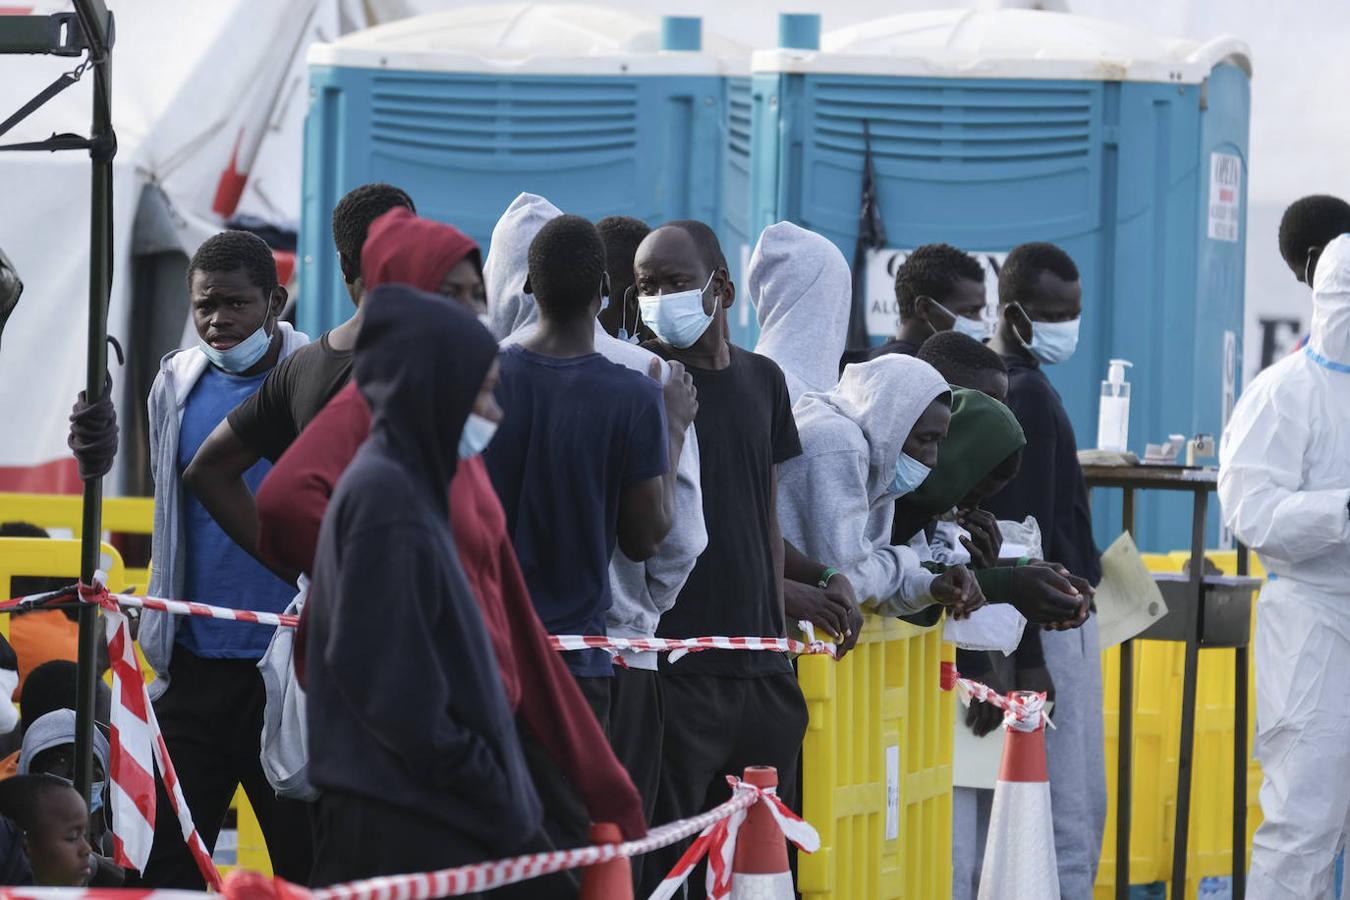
{"x": 982, "y": 434}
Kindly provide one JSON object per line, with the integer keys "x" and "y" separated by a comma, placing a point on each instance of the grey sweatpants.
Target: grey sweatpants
{"x": 1074, "y": 756}
{"x": 970, "y": 827}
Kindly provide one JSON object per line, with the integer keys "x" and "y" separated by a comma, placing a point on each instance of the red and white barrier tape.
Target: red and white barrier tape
{"x": 677, "y": 647}
{"x": 1022, "y": 710}
{"x": 136, "y": 740}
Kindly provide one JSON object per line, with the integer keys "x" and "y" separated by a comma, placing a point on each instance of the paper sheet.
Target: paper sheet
{"x": 1128, "y": 600}
{"x": 975, "y": 760}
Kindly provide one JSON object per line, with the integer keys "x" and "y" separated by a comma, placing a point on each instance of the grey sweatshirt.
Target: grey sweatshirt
{"x": 800, "y": 285}
{"x": 834, "y": 501}
{"x": 178, "y": 374}
{"x": 641, "y": 592}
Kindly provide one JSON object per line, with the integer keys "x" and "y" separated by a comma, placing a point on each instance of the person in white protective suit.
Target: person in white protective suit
{"x": 1284, "y": 483}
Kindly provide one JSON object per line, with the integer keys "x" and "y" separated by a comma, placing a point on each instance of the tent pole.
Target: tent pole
{"x": 100, "y": 286}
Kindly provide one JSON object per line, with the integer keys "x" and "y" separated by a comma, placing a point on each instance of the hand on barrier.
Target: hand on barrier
{"x": 958, "y": 591}
{"x": 981, "y": 716}
{"x": 831, "y": 610}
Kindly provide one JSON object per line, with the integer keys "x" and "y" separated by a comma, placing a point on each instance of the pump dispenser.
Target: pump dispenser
{"x": 1113, "y": 419}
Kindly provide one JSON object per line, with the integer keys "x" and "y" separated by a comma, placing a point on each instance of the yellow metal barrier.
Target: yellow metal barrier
{"x": 877, "y": 767}
{"x": 52, "y": 558}
{"x": 1157, "y": 726}
{"x": 124, "y": 515}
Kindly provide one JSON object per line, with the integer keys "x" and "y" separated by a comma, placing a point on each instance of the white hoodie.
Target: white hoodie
{"x": 640, "y": 592}
{"x": 834, "y": 501}
{"x": 800, "y": 285}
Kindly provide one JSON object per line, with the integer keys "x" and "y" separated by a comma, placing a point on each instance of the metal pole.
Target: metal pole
{"x": 1185, "y": 752}
{"x": 1125, "y": 740}
{"x": 1240, "y": 664}
{"x": 100, "y": 286}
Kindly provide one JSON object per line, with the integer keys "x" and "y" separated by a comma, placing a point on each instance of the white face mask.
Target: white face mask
{"x": 243, "y": 355}
{"x": 975, "y": 328}
{"x": 1053, "y": 342}
{"x": 475, "y": 437}
{"x": 678, "y": 319}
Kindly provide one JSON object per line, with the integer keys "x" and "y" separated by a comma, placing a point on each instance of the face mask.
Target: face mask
{"x": 1053, "y": 342}
{"x": 96, "y": 801}
{"x": 909, "y": 474}
{"x": 677, "y": 319}
{"x": 604, "y": 302}
{"x": 475, "y": 437}
{"x": 243, "y": 355}
{"x": 975, "y": 328}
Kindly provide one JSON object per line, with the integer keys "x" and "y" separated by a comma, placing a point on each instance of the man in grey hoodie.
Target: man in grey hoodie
{"x": 836, "y": 501}
{"x": 210, "y": 711}
{"x": 641, "y": 591}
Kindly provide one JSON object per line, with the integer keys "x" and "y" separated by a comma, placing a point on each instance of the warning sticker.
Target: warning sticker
{"x": 883, "y": 311}
{"x": 1225, "y": 189}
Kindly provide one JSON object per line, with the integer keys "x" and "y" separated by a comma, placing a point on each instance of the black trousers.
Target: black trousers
{"x": 356, "y": 837}
{"x": 211, "y": 717}
{"x": 716, "y": 727}
{"x": 636, "y": 730}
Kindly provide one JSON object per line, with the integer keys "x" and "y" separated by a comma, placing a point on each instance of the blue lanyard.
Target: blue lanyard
{"x": 1324, "y": 362}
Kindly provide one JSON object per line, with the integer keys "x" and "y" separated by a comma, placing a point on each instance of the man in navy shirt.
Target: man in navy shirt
{"x": 585, "y": 456}
{"x": 209, "y": 691}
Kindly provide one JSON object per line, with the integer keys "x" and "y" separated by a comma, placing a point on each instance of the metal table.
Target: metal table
{"x": 1199, "y": 483}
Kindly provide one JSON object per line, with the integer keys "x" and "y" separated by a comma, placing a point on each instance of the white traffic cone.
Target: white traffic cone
{"x": 759, "y": 870}
{"x": 1019, "y": 856}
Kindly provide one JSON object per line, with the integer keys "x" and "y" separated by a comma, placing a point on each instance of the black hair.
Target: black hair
{"x": 49, "y": 687}
{"x": 354, "y": 214}
{"x": 958, "y": 357}
{"x": 567, "y": 264}
{"x": 1025, "y": 265}
{"x": 621, "y": 235}
{"x": 1311, "y": 223}
{"x": 705, "y": 239}
{"x": 933, "y": 271}
{"x": 21, "y": 797}
{"x": 233, "y": 250}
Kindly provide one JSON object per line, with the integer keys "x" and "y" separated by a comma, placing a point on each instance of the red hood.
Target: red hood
{"x": 405, "y": 249}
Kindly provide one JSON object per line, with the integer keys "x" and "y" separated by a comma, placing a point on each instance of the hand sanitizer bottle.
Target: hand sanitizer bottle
{"x": 1113, "y": 420}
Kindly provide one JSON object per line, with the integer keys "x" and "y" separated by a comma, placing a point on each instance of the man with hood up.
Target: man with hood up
{"x": 802, "y": 290}
{"x": 1284, "y": 483}
{"x": 869, "y": 440}
{"x": 642, "y": 591}
{"x": 412, "y": 746}
{"x": 566, "y": 744}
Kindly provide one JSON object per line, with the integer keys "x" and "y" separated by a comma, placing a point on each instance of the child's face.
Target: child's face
{"x": 57, "y": 847}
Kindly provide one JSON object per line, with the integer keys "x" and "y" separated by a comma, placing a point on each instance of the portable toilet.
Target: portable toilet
{"x": 601, "y": 111}
{"x": 988, "y": 129}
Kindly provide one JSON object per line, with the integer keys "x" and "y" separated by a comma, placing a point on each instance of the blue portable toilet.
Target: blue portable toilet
{"x": 600, "y": 111}
{"x": 988, "y": 129}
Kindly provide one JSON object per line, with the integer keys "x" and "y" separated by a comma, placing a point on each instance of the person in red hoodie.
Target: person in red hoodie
{"x": 576, "y": 767}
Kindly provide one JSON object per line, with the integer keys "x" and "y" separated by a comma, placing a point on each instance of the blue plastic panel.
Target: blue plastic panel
{"x": 465, "y": 145}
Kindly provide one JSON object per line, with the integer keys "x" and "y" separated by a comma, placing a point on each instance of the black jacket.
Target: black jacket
{"x": 406, "y": 705}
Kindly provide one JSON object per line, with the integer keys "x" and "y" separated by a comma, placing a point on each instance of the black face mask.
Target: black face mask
{"x": 11, "y": 286}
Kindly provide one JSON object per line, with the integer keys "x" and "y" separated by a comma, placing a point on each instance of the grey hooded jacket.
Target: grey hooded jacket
{"x": 800, "y": 285}
{"x": 643, "y": 591}
{"x": 834, "y": 501}
{"x": 178, "y": 374}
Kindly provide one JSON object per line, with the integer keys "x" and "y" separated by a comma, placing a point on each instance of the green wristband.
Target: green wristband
{"x": 826, "y": 576}
{"x": 1023, "y": 561}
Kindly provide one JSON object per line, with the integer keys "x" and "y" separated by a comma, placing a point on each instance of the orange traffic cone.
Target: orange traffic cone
{"x": 759, "y": 870}
{"x": 611, "y": 880}
{"x": 1019, "y": 856}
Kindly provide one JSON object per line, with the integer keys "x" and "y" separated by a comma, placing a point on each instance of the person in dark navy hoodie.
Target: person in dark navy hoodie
{"x": 412, "y": 743}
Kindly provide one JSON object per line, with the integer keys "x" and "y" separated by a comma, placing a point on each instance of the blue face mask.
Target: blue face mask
{"x": 975, "y": 328}
{"x": 1053, "y": 342}
{"x": 243, "y": 355}
{"x": 96, "y": 801}
{"x": 475, "y": 437}
{"x": 909, "y": 474}
{"x": 678, "y": 319}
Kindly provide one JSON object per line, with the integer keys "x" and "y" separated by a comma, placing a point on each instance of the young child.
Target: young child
{"x": 54, "y": 820}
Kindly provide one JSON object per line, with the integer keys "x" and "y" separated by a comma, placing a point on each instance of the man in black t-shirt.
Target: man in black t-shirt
{"x": 725, "y": 710}
{"x": 293, "y": 393}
